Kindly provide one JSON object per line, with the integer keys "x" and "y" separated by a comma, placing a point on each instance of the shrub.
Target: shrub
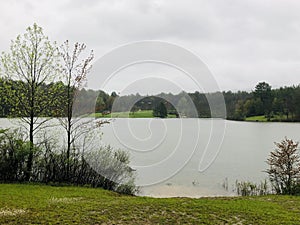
{"x": 112, "y": 166}
{"x": 14, "y": 152}
{"x": 284, "y": 171}
{"x": 104, "y": 167}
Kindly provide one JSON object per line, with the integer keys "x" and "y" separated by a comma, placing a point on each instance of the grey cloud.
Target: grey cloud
{"x": 242, "y": 41}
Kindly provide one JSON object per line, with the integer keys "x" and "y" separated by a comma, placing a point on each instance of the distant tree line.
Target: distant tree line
{"x": 282, "y": 104}
{"x": 182, "y": 103}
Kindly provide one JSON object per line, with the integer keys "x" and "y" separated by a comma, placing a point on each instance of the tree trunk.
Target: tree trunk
{"x": 30, "y": 156}
{"x": 68, "y": 148}
{"x": 69, "y": 125}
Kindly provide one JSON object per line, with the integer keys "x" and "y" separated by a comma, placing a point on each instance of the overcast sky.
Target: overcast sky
{"x": 241, "y": 41}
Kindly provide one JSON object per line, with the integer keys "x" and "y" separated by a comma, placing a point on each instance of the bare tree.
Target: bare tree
{"x": 284, "y": 162}
{"x": 74, "y": 71}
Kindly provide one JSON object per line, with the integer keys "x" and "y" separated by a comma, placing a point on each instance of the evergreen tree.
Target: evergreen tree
{"x": 160, "y": 110}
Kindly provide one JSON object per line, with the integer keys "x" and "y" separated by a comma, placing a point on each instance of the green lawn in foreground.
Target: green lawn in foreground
{"x": 138, "y": 114}
{"x": 39, "y": 204}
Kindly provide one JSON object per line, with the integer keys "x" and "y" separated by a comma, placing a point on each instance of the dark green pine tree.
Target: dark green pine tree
{"x": 160, "y": 110}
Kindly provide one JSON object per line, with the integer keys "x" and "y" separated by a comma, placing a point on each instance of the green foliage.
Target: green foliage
{"x": 104, "y": 167}
{"x": 14, "y": 152}
{"x": 274, "y": 118}
{"x": 28, "y": 91}
{"x": 281, "y": 104}
{"x": 26, "y": 69}
{"x": 263, "y": 92}
{"x": 160, "y": 110}
{"x": 31, "y": 63}
{"x": 138, "y": 114}
{"x": 14, "y": 95}
{"x": 239, "y": 105}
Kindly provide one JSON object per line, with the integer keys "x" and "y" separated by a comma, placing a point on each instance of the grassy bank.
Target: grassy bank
{"x": 275, "y": 118}
{"x": 138, "y": 114}
{"x": 38, "y": 204}
{"x": 257, "y": 119}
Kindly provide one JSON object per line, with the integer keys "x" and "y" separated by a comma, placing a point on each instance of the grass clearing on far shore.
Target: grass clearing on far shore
{"x": 41, "y": 204}
{"x": 265, "y": 119}
{"x": 257, "y": 118}
{"x": 137, "y": 114}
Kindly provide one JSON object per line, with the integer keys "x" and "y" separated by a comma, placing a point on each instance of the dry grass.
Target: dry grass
{"x": 11, "y": 212}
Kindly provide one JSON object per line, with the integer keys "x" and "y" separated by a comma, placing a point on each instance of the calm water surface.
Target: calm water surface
{"x": 193, "y": 157}
{"x": 241, "y": 156}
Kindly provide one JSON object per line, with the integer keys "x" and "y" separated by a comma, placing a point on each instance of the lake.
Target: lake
{"x": 194, "y": 157}
{"x": 167, "y": 152}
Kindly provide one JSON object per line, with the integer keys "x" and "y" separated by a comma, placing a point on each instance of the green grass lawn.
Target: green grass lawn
{"x": 40, "y": 204}
{"x": 138, "y": 114}
{"x": 257, "y": 118}
{"x": 264, "y": 119}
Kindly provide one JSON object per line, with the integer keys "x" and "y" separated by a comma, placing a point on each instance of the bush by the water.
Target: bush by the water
{"x": 104, "y": 167}
{"x": 13, "y": 156}
{"x": 284, "y": 170}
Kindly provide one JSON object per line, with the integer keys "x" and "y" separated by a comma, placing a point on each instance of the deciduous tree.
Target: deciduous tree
{"x": 74, "y": 72}
{"x": 32, "y": 62}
